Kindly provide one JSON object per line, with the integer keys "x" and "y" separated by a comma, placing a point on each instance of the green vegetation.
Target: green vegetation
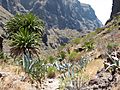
{"x": 23, "y": 41}
{"x": 76, "y": 41}
{"x": 89, "y": 36}
{"x": 112, "y": 46}
{"x": 51, "y": 59}
{"x": 51, "y": 71}
{"x": 25, "y": 32}
{"x": 89, "y": 45}
{"x": 99, "y": 30}
{"x": 27, "y": 21}
{"x": 62, "y": 55}
{"x": 38, "y": 70}
{"x": 72, "y": 55}
{"x": 24, "y": 44}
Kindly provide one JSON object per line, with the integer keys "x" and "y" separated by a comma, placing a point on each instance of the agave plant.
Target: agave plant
{"x": 24, "y": 43}
{"x": 112, "y": 63}
{"x": 38, "y": 70}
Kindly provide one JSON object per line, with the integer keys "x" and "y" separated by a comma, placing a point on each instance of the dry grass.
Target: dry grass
{"x": 5, "y": 67}
{"x": 92, "y": 68}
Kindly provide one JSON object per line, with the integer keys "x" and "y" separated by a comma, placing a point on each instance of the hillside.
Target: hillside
{"x": 90, "y": 60}
{"x": 60, "y": 14}
{"x": 4, "y": 17}
{"x": 91, "y": 57}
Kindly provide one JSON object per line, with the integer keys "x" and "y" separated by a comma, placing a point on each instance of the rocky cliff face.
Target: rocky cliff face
{"x": 4, "y": 16}
{"x": 13, "y": 6}
{"x": 67, "y": 14}
{"x": 115, "y": 7}
{"x": 62, "y": 14}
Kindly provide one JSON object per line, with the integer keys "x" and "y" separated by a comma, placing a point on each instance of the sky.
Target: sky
{"x": 102, "y": 8}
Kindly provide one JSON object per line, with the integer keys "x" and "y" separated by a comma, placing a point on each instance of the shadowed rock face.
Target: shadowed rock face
{"x": 12, "y": 6}
{"x": 57, "y": 13}
{"x": 67, "y": 14}
{"x": 115, "y": 7}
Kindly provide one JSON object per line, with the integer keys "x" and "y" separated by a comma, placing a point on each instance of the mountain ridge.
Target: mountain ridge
{"x": 60, "y": 14}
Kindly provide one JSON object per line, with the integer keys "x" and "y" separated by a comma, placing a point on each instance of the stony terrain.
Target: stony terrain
{"x": 95, "y": 75}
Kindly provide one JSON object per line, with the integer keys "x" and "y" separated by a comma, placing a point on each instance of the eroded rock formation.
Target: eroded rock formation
{"x": 60, "y": 14}
{"x": 115, "y": 7}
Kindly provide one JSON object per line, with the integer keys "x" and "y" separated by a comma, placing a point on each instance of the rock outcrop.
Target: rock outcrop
{"x": 115, "y": 7}
{"x": 60, "y": 14}
{"x": 4, "y": 17}
{"x": 67, "y": 14}
{"x": 13, "y": 6}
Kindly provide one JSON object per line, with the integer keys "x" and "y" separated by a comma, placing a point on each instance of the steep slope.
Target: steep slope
{"x": 62, "y": 14}
{"x": 12, "y": 6}
{"x": 4, "y": 16}
{"x": 67, "y": 14}
{"x": 105, "y": 43}
{"x": 115, "y": 7}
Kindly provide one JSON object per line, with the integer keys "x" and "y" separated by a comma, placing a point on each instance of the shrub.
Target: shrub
{"x": 38, "y": 70}
{"x": 99, "y": 30}
{"x": 89, "y": 45}
{"x": 76, "y": 41}
{"x": 24, "y": 44}
{"x": 72, "y": 55}
{"x": 51, "y": 59}
{"x": 62, "y": 55}
{"x": 51, "y": 71}
{"x": 112, "y": 46}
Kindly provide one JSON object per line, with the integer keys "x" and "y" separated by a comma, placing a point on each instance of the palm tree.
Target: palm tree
{"x": 24, "y": 43}
{"x": 25, "y": 32}
{"x": 27, "y": 21}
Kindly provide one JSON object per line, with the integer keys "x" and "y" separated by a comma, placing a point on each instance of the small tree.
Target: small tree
{"x": 24, "y": 43}
{"x": 25, "y": 32}
{"x": 27, "y": 21}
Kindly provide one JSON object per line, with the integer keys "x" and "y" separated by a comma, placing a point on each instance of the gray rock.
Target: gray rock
{"x": 115, "y": 7}
{"x": 1, "y": 75}
{"x": 62, "y": 14}
{"x": 13, "y": 6}
{"x": 66, "y": 14}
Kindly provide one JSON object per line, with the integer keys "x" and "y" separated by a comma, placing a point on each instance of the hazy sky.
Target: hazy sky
{"x": 102, "y": 8}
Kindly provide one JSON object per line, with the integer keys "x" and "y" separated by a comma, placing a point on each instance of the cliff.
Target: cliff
{"x": 60, "y": 14}
{"x": 4, "y": 16}
{"x": 115, "y": 7}
{"x": 13, "y": 6}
